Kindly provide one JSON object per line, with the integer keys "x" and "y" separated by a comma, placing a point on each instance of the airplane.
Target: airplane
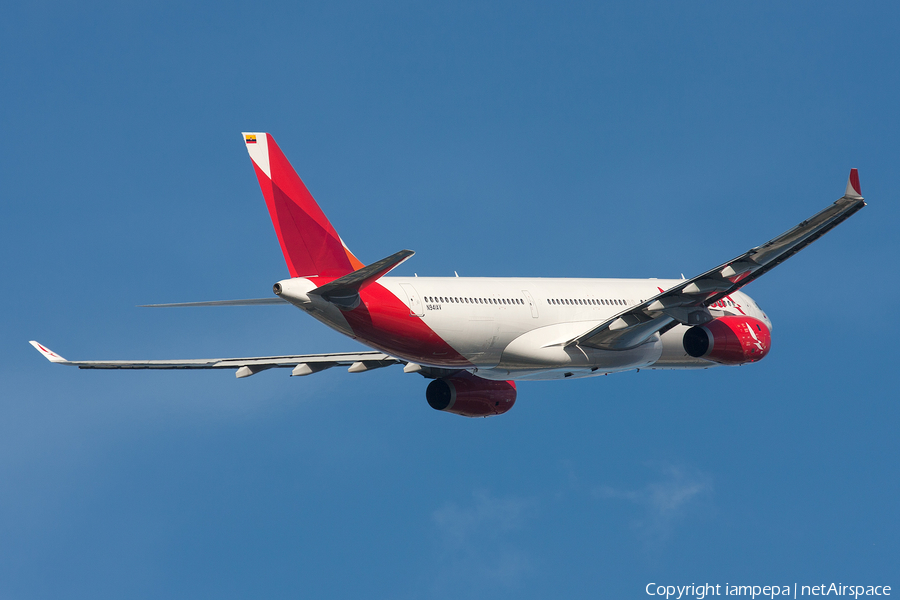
{"x": 475, "y": 337}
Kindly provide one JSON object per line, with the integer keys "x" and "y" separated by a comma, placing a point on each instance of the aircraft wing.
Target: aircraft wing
{"x": 687, "y": 303}
{"x": 275, "y": 300}
{"x": 302, "y": 364}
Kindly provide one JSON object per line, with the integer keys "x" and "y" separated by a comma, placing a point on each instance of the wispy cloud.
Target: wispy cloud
{"x": 476, "y": 537}
{"x": 665, "y": 500}
{"x": 485, "y": 515}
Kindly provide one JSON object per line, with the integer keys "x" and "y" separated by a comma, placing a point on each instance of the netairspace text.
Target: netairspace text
{"x": 702, "y": 590}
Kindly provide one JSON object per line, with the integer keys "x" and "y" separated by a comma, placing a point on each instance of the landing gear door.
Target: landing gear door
{"x": 416, "y": 308}
{"x": 530, "y": 300}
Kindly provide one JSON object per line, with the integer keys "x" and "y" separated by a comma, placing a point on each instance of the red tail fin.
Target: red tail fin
{"x": 308, "y": 241}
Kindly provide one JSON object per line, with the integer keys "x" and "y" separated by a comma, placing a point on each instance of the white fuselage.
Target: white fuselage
{"x": 517, "y": 328}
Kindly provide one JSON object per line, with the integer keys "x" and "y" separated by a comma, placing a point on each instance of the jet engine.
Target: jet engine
{"x": 470, "y": 396}
{"x": 729, "y": 340}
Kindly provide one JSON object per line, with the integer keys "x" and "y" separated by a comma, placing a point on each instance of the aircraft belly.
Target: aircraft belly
{"x": 542, "y": 354}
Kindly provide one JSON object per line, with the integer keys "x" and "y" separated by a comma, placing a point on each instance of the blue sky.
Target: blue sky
{"x": 621, "y": 140}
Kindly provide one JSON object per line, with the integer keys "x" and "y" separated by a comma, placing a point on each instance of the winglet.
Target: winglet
{"x": 48, "y": 354}
{"x": 853, "y": 190}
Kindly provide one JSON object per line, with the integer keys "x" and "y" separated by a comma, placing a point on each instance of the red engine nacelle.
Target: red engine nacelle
{"x": 729, "y": 340}
{"x": 470, "y": 396}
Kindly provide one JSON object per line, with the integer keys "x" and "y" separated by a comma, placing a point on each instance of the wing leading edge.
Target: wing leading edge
{"x": 687, "y": 303}
{"x": 276, "y": 301}
{"x": 302, "y": 364}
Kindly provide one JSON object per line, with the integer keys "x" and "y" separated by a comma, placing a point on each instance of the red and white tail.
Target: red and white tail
{"x": 308, "y": 241}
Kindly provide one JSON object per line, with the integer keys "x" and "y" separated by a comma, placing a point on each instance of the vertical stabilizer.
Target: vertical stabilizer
{"x": 308, "y": 241}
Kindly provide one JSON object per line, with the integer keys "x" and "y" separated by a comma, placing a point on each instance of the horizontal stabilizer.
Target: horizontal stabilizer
{"x": 248, "y": 302}
{"x": 347, "y": 287}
